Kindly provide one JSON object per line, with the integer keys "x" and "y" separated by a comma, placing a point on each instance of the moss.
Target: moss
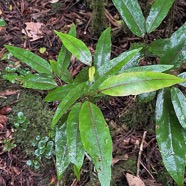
{"x": 139, "y": 115}
{"x": 98, "y": 16}
{"x": 39, "y": 115}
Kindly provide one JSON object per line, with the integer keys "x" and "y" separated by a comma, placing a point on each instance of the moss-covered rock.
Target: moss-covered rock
{"x": 39, "y": 115}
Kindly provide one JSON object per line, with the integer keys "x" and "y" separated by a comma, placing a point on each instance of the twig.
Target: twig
{"x": 140, "y": 153}
{"x": 147, "y": 170}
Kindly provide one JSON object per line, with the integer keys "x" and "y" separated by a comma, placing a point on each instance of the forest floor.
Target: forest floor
{"x": 31, "y": 25}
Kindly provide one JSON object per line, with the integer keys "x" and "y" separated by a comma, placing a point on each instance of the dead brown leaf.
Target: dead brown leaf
{"x": 5, "y": 110}
{"x": 149, "y": 182}
{"x": 16, "y": 170}
{"x": 134, "y": 181}
{"x": 120, "y": 158}
{"x": 3, "y": 119}
{"x": 33, "y": 30}
{"x": 8, "y": 92}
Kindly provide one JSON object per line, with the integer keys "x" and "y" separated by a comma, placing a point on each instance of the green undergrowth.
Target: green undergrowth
{"x": 38, "y": 113}
{"x": 139, "y": 116}
{"x": 32, "y": 105}
{"x": 30, "y": 120}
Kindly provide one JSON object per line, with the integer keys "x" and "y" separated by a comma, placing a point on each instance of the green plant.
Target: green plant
{"x": 13, "y": 71}
{"x": 44, "y": 148}
{"x": 170, "y": 106}
{"x": 22, "y": 122}
{"x": 78, "y": 121}
{"x": 2, "y": 22}
{"x": 8, "y": 145}
{"x": 37, "y": 144}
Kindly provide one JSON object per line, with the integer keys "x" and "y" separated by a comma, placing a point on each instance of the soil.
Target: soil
{"x": 127, "y": 118}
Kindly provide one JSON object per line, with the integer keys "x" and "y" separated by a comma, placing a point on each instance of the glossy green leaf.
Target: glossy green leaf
{"x": 75, "y": 146}
{"x": 154, "y": 68}
{"x": 114, "y": 65}
{"x": 171, "y": 137}
{"x": 146, "y": 97}
{"x": 133, "y": 62}
{"x": 183, "y": 75}
{"x": 82, "y": 76}
{"x": 158, "y": 12}
{"x": 37, "y": 81}
{"x": 64, "y": 58}
{"x": 67, "y": 102}
{"x": 54, "y": 67}
{"x": 123, "y": 61}
{"x": 179, "y": 104}
{"x": 76, "y": 47}
{"x": 61, "y": 150}
{"x": 31, "y": 59}
{"x": 176, "y": 48}
{"x": 96, "y": 140}
{"x": 158, "y": 47}
{"x": 134, "y": 83}
{"x": 103, "y": 49}
{"x": 59, "y": 93}
{"x": 131, "y": 13}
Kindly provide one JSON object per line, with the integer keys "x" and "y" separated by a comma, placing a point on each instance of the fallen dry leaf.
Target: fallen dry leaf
{"x": 8, "y": 92}
{"x": 119, "y": 158}
{"x": 149, "y": 182}
{"x": 33, "y": 30}
{"x": 16, "y": 170}
{"x": 52, "y": 180}
{"x": 54, "y": 1}
{"x": 3, "y": 119}
{"x": 134, "y": 181}
{"x": 5, "y": 110}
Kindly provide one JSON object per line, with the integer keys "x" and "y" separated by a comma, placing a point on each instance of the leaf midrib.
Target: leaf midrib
{"x": 122, "y": 84}
{"x": 82, "y": 53}
{"x": 39, "y": 64}
{"x": 95, "y": 134}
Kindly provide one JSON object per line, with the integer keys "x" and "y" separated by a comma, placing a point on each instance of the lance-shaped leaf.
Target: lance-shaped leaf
{"x": 103, "y": 49}
{"x": 67, "y": 102}
{"x": 179, "y": 104}
{"x": 96, "y": 140}
{"x": 171, "y": 137}
{"x": 159, "y": 47}
{"x": 114, "y": 65}
{"x": 134, "y": 83}
{"x": 76, "y": 47}
{"x": 158, "y": 12}
{"x": 154, "y": 68}
{"x": 38, "y": 81}
{"x": 61, "y": 150}
{"x": 75, "y": 146}
{"x": 54, "y": 67}
{"x": 63, "y": 59}
{"x": 59, "y": 93}
{"x": 176, "y": 48}
{"x": 123, "y": 61}
{"x": 31, "y": 59}
{"x": 132, "y": 15}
